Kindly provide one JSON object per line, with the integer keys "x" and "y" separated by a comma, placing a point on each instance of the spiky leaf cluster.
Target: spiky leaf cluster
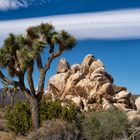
{"x": 20, "y": 51}
{"x": 66, "y": 40}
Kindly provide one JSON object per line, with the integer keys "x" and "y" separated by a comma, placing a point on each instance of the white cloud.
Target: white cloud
{"x": 15, "y": 4}
{"x": 12, "y": 4}
{"x": 124, "y": 24}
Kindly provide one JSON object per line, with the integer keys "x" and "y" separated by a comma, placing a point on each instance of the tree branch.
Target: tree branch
{"x": 44, "y": 70}
{"x": 7, "y": 80}
{"x": 23, "y": 87}
{"x": 30, "y": 79}
{"x": 51, "y": 57}
{"x": 39, "y": 62}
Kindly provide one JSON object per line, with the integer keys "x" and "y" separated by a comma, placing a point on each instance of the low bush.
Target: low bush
{"x": 105, "y": 125}
{"x": 49, "y": 110}
{"x": 2, "y": 125}
{"x": 55, "y": 129}
{"x": 70, "y": 113}
{"x": 53, "y": 109}
{"x": 19, "y": 117}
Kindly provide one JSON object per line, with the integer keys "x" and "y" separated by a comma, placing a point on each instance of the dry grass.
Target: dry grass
{"x": 2, "y": 125}
{"x": 7, "y": 136}
{"x": 55, "y": 130}
{"x": 2, "y": 114}
{"x": 10, "y": 136}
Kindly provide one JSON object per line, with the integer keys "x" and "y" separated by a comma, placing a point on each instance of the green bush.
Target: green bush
{"x": 105, "y": 125}
{"x": 19, "y": 118}
{"x": 53, "y": 109}
{"x": 49, "y": 110}
{"x": 69, "y": 113}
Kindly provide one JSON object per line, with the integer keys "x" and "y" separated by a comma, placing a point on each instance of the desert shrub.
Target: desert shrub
{"x": 55, "y": 129}
{"x": 70, "y": 112}
{"x": 2, "y": 125}
{"x": 105, "y": 125}
{"x": 2, "y": 114}
{"x": 49, "y": 110}
{"x": 19, "y": 117}
{"x": 53, "y": 109}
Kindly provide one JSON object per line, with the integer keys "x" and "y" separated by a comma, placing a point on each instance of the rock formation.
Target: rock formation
{"x": 89, "y": 86}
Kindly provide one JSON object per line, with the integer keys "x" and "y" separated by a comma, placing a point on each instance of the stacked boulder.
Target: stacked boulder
{"x": 88, "y": 85}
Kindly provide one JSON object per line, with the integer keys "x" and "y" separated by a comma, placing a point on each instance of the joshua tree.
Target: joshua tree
{"x": 4, "y": 93}
{"x": 19, "y": 54}
{"x": 9, "y": 91}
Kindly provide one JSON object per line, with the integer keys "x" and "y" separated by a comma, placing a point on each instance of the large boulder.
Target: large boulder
{"x": 63, "y": 66}
{"x": 120, "y": 106}
{"x": 134, "y": 117}
{"x": 122, "y": 95}
{"x": 117, "y": 88}
{"x": 86, "y": 63}
{"x": 106, "y": 88}
{"x": 137, "y": 103}
{"x": 57, "y": 83}
{"x": 88, "y": 60}
{"x": 96, "y": 65}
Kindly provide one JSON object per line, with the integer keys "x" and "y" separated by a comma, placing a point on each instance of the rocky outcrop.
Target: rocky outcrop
{"x": 89, "y": 86}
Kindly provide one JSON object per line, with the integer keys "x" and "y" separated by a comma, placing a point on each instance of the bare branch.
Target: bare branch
{"x": 7, "y": 80}
{"x": 52, "y": 56}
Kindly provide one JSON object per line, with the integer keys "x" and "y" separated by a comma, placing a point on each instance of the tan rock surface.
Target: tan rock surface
{"x": 137, "y": 103}
{"x": 88, "y": 84}
{"x": 63, "y": 66}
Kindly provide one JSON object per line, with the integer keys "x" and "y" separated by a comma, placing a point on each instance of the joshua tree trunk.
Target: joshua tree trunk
{"x": 12, "y": 100}
{"x": 3, "y": 100}
{"x": 34, "y": 111}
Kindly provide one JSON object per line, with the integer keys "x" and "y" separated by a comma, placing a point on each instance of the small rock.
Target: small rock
{"x": 122, "y": 95}
{"x": 75, "y": 68}
{"x": 77, "y": 101}
{"x": 134, "y": 117}
{"x": 125, "y": 101}
{"x": 106, "y": 104}
{"x": 120, "y": 106}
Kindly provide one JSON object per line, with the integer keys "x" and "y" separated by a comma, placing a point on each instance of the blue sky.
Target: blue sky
{"x": 108, "y": 29}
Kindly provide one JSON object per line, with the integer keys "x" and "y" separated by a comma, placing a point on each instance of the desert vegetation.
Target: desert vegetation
{"x": 65, "y": 123}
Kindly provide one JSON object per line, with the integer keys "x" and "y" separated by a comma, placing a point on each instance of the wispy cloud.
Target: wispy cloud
{"x": 6, "y": 5}
{"x": 124, "y": 24}
{"x": 12, "y": 4}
